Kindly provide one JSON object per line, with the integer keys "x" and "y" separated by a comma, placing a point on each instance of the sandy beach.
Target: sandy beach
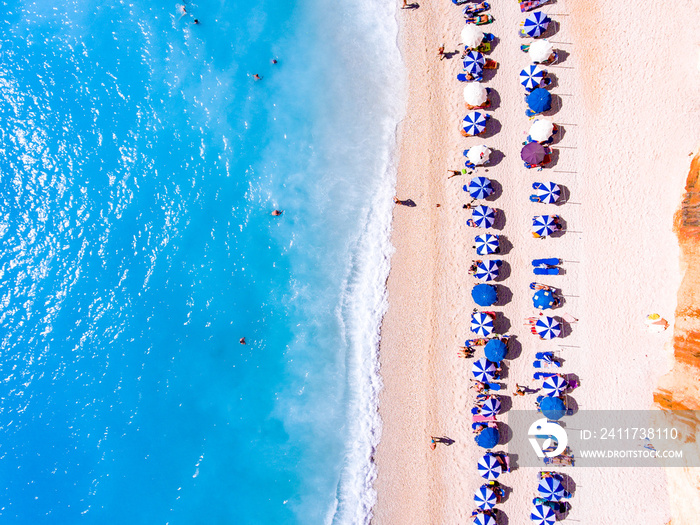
{"x": 628, "y": 101}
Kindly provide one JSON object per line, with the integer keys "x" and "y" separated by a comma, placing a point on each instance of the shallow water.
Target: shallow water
{"x": 140, "y": 162}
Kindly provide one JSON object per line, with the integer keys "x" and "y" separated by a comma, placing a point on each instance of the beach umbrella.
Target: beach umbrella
{"x": 482, "y": 324}
{"x": 475, "y": 94}
{"x": 479, "y": 187}
{"x": 485, "y": 498}
{"x": 551, "y": 489}
{"x": 533, "y": 153}
{"x": 484, "y": 519}
{"x": 478, "y": 155}
{"x": 491, "y": 406}
{"x": 483, "y": 370}
{"x": 543, "y": 225}
{"x": 542, "y": 129}
{"x": 548, "y": 192}
{"x": 495, "y": 350}
{"x": 488, "y": 438}
{"x": 553, "y": 386}
{"x": 474, "y": 63}
{"x": 475, "y": 122}
{"x": 472, "y": 36}
{"x": 483, "y": 216}
{"x": 484, "y": 294}
{"x": 486, "y": 244}
{"x": 489, "y": 467}
{"x": 540, "y": 50}
{"x": 539, "y": 100}
{"x": 535, "y": 24}
{"x": 543, "y": 299}
{"x": 553, "y": 408}
{"x": 487, "y": 270}
{"x": 542, "y": 515}
{"x": 547, "y": 327}
{"x": 531, "y": 76}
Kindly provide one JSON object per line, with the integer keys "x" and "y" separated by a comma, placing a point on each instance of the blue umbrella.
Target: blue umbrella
{"x": 483, "y": 370}
{"x": 495, "y": 350}
{"x": 531, "y": 76}
{"x": 553, "y": 386}
{"x": 535, "y": 24}
{"x": 488, "y": 438}
{"x": 490, "y": 407}
{"x": 488, "y": 270}
{"x": 543, "y": 515}
{"x": 484, "y": 294}
{"x": 484, "y": 519}
{"x": 553, "y": 408}
{"x": 479, "y": 187}
{"x": 543, "y": 299}
{"x": 475, "y": 122}
{"x": 539, "y": 100}
{"x": 548, "y": 327}
{"x": 551, "y": 489}
{"x": 474, "y": 63}
{"x": 483, "y": 216}
{"x": 548, "y": 192}
{"x": 543, "y": 225}
{"x": 485, "y": 498}
{"x": 489, "y": 467}
{"x": 486, "y": 244}
{"x": 482, "y": 324}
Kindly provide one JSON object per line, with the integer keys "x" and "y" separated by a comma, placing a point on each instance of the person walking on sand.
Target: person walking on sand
{"x": 405, "y": 4}
{"x": 441, "y": 51}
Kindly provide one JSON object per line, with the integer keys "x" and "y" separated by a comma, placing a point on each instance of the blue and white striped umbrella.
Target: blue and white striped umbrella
{"x": 536, "y": 23}
{"x": 482, "y": 324}
{"x": 486, "y": 244}
{"x": 479, "y": 187}
{"x": 484, "y": 519}
{"x": 554, "y": 385}
{"x": 543, "y": 225}
{"x": 475, "y": 123}
{"x": 548, "y": 192}
{"x": 483, "y": 370}
{"x": 531, "y": 76}
{"x": 474, "y": 63}
{"x": 542, "y": 515}
{"x": 547, "y": 327}
{"x": 485, "y": 498}
{"x": 483, "y": 216}
{"x": 487, "y": 270}
{"x": 551, "y": 489}
{"x": 490, "y": 407}
{"x": 489, "y": 467}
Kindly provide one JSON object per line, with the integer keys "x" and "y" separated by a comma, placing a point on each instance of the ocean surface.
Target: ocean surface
{"x": 139, "y": 165}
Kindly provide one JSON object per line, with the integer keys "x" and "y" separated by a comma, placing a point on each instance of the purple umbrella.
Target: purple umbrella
{"x": 533, "y": 153}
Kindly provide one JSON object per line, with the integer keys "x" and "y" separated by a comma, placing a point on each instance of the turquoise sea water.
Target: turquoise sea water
{"x": 140, "y": 163}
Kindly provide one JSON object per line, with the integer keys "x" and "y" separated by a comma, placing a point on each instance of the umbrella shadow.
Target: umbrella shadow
{"x": 495, "y": 158}
{"x": 504, "y": 245}
{"x": 494, "y": 98}
{"x": 503, "y": 374}
{"x": 552, "y": 29}
{"x": 564, "y": 196}
{"x": 504, "y": 295}
{"x": 571, "y": 405}
{"x": 573, "y": 379}
{"x": 562, "y": 55}
{"x": 559, "y": 233}
{"x": 497, "y": 190}
{"x": 565, "y": 327}
{"x": 500, "y": 517}
{"x": 554, "y": 107}
{"x": 507, "y": 491}
{"x": 568, "y": 483}
{"x": 494, "y": 42}
{"x": 493, "y": 126}
{"x": 488, "y": 74}
{"x": 505, "y": 433}
{"x": 503, "y": 271}
{"x": 559, "y": 135}
{"x": 501, "y": 324}
{"x": 553, "y": 80}
{"x": 506, "y": 404}
{"x": 515, "y": 349}
{"x": 500, "y": 220}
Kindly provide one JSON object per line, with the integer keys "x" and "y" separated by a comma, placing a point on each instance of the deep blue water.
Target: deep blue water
{"x": 139, "y": 165}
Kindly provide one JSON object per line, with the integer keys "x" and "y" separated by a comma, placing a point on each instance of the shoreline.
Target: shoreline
{"x": 425, "y": 383}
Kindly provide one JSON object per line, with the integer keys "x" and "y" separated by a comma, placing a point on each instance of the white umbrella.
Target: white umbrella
{"x": 540, "y": 50}
{"x": 478, "y": 155}
{"x": 541, "y": 130}
{"x": 472, "y": 36}
{"x": 475, "y": 94}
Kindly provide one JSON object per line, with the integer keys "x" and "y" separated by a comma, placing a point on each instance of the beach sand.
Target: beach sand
{"x": 627, "y": 100}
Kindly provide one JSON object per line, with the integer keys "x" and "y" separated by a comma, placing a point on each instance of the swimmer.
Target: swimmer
{"x": 257, "y": 77}
{"x": 242, "y": 340}
{"x": 277, "y": 213}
